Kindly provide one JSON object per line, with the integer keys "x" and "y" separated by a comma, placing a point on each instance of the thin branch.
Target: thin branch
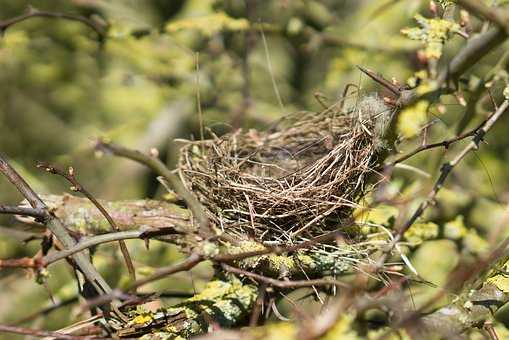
{"x": 445, "y": 143}
{"x": 279, "y": 250}
{"x": 91, "y": 242}
{"x": 46, "y": 310}
{"x": 444, "y": 173}
{"x": 70, "y": 176}
{"x": 284, "y": 284}
{"x": 37, "y": 333}
{"x": 257, "y": 308}
{"x": 23, "y": 211}
{"x": 33, "y": 13}
{"x": 187, "y": 264}
{"x": 55, "y": 226}
{"x": 497, "y": 15}
{"x": 24, "y": 262}
{"x": 157, "y": 166}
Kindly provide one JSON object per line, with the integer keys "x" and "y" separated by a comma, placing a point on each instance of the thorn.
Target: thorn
{"x": 396, "y": 90}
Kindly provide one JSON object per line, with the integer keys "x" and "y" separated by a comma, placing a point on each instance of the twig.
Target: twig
{"x": 444, "y": 172}
{"x": 24, "y": 211}
{"x": 70, "y": 176}
{"x": 284, "y": 284}
{"x": 278, "y": 250}
{"x": 157, "y": 166}
{"x": 189, "y": 263}
{"x": 24, "y": 262}
{"x": 46, "y": 310}
{"x": 91, "y": 242}
{"x": 488, "y": 326}
{"x": 56, "y": 227}
{"x": 37, "y": 333}
{"x": 32, "y": 13}
{"x": 445, "y": 143}
{"x": 257, "y": 308}
{"x": 498, "y": 16}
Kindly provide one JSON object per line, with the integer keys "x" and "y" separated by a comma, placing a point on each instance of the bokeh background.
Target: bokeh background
{"x": 60, "y": 88}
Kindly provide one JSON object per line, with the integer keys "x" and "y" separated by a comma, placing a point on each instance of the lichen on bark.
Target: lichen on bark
{"x": 225, "y": 303}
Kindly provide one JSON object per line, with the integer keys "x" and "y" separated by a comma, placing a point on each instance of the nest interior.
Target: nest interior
{"x": 298, "y": 179}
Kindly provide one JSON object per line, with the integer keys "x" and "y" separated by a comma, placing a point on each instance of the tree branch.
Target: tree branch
{"x": 497, "y": 16}
{"x": 56, "y": 227}
{"x": 157, "y": 166}
{"x": 444, "y": 173}
{"x": 33, "y": 13}
{"x": 70, "y": 176}
{"x": 24, "y": 211}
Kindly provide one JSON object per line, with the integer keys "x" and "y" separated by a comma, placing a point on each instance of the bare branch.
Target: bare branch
{"x": 445, "y": 143}
{"x": 70, "y": 176}
{"x": 56, "y": 227}
{"x": 37, "y": 333}
{"x": 157, "y": 166}
{"x": 91, "y": 242}
{"x": 33, "y": 13}
{"x": 498, "y": 16}
{"x": 189, "y": 263}
{"x": 444, "y": 173}
{"x": 24, "y": 211}
{"x": 284, "y": 284}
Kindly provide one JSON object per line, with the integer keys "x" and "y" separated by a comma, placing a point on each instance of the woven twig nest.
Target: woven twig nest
{"x": 299, "y": 179}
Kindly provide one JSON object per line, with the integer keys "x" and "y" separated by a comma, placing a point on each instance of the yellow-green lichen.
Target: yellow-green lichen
{"x": 342, "y": 329}
{"x": 286, "y": 265}
{"x": 455, "y": 229}
{"x": 420, "y": 232}
{"x": 499, "y": 277}
{"x": 275, "y": 331}
{"x": 225, "y": 302}
{"x": 433, "y": 33}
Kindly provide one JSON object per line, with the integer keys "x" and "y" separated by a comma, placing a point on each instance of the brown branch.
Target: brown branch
{"x": 37, "y": 333}
{"x": 187, "y": 264}
{"x": 23, "y": 211}
{"x": 257, "y": 308}
{"x": 55, "y": 226}
{"x": 284, "y": 284}
{"x": 497, "y": 16}
{"x": 444, "y": 173}
{"x": 24, "y": 262}
{"x": 445, "y": 143}
{"x": 70, "y": 176}
{"x": 33, "y": 13}
{"x": 46, "y": 310}
{"x": 160, "y": 168}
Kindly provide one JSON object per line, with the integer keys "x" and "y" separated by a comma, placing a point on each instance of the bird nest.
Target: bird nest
{"x": 300, "y": 178}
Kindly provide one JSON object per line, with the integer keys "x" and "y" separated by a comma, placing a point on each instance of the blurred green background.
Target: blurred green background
{"x": 250, "y": 62}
